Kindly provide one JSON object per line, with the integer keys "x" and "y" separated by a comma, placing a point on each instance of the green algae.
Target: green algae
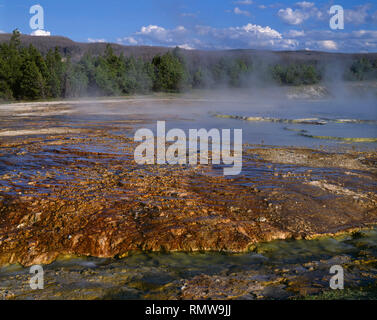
{"x": 315, "y": 121}
{"x": 346, "y": 139}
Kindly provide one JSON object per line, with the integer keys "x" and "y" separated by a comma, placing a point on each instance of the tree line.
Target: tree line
{"x": 26, "y": 74}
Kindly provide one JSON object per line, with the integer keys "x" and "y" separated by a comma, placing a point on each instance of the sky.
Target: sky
{"x": 202, "y": 24}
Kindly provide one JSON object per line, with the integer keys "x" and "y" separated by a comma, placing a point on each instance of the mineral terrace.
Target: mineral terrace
{"x": 69, "y": 186}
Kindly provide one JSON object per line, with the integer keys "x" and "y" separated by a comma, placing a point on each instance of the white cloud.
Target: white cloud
{"x": 296, "y": 33}
{"x": 41, "y": 33}
{"x": 244, "y": 32}
{"x": 186, "y": 46}
{"x": 260, "y": 31}
{"x": 206, "y": 37}
{"x": 244, "y": 2}
{"x": 252, "y": 36}
{"x": 365, "y": 34}
{"x": 305, "y": 11}
{"x": 161, "y": 34}
{"x": 291, "y": 16}
{"x": 1, "y": 31}
{"x": 288, "y": 44}
{"x": 151, "y": 29}
{"x": 368, "y": 35}
{"x": 128, "y": 40}
{"x": 203, "y": 30}
{"x": 247, "y": 36}
{"x": 91, "y": 40}
{"x": 328, "y": 45}
{"x": 354, "y": 41}
{"x": 190, "y": 15}
{"x": 241, "y": 12}
{"x": 305, "y": 4}
{"x": 374, "y": 17}
{"x": 357, "y": 16}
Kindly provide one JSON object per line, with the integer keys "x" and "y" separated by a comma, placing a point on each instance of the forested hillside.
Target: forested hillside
{"x": 29, "y": 73}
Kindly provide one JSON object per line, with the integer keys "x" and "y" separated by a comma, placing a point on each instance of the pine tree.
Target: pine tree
{"x": 13, "y": 60}
{"x": 145, "y": 76}
{"x": 32, "y": 82}
{"x": 170, "y": 74}
{"x": 75, "y": 80}
{"x": 105, "y": 79}
{"x": 55, "y": 73}
{"x": 5, "y": 89}
{"x": 39, "y": 61}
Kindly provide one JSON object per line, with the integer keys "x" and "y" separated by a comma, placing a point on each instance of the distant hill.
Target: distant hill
{"x": 76, "y": 50}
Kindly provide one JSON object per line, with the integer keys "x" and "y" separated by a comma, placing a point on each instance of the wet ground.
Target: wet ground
{"x": 69, "y": 187}
{"x": 276, "y": 270}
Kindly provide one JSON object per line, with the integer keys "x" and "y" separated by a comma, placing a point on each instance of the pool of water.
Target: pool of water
{"x": 341, "y": 124}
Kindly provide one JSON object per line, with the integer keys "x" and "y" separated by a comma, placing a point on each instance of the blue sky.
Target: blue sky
{"x": 203, "y": 24}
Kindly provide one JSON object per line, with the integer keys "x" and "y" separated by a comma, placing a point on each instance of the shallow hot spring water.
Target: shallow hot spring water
{"x": 149, "y": 275}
